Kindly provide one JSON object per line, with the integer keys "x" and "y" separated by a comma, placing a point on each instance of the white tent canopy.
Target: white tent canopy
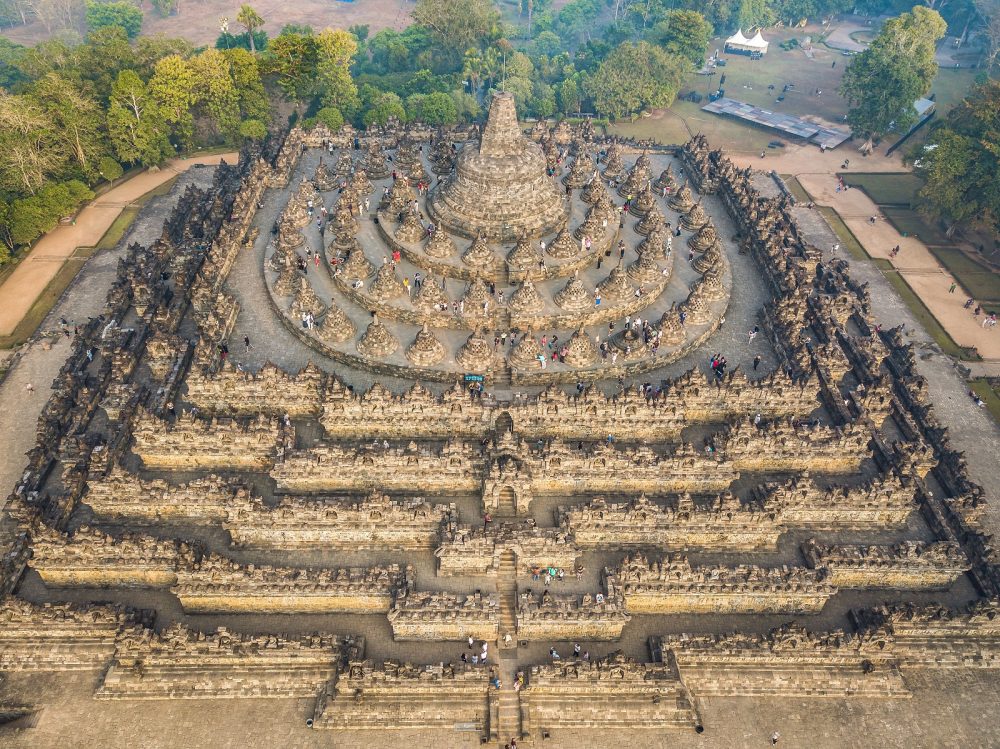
{"x": 758, "y": 42}
{"x": 737, "y": 38}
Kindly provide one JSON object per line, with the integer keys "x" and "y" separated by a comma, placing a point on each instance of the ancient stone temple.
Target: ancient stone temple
{"x": 475, "y": 481}
{"x": 500, "y": 188}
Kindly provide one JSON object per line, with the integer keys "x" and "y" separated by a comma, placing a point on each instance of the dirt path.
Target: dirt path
{"x": 22, "y": 287}
{"x": 915, "y": 263}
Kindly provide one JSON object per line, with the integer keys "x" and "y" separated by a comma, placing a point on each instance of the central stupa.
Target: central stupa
{"x": 500, "y": 188}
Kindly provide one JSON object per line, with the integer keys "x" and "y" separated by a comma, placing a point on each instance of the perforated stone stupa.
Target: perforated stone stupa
{"x": 500, "y": 188}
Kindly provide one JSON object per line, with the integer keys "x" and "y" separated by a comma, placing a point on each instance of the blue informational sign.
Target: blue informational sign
{"x": 474, "y": 378}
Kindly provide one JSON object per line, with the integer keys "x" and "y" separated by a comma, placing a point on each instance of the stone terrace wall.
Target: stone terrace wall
{"x": 272, "y": 391}
{"x": 394, "y": 696}
{"x": 60, "y": 637}
{"x": 220, "y": 585}
{"x": 611, "y": 692}
{"x": 673, "y": 586}
{"x": 377, "y": 522}
{"x": 191, "y": 443}
{"x": 181, "y": 663}
{"x": 786, "y": 662}
{"x": 420, "y": 615}
{"x": 725, "y": 524}
{"x": 475, "y": 550}
{"x": 548, "y": 617}
{"x": 908, "y": 565}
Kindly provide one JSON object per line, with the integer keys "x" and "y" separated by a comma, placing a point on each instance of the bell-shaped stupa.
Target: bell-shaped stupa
{"x": 500, "y": 188}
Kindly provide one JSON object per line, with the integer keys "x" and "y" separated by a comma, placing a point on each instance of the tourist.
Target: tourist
{"x": 471, "y": 642}
{"x": 951, "y": 289}
{"x": 553, "y": 654}
{"x": 246, "y": 343}
{"x": 756, "y": 362}
{"x": 775, "y": 736}
{"x": 30, "y": 388}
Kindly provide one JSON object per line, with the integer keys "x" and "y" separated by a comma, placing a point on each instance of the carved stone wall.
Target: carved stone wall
{"x": 548, "y": 616}
{"x": 181, "y": 663}
{"x": 191, "y": 442}
{"x": 376, "y": 522}
{"x": 673, "y": 586}
{"x": 271, "y": 391}
{"x": 59, "y": 637}
{"x": 124, "y": 496}
{"x": 612, "y": 692}
{"x": 475, "y": 550}
{"x": 430, "y": 616}
{"x": 908, "y": 565}
{"x": 393, "y": 696}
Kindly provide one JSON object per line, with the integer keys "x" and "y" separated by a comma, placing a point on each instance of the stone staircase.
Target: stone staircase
{"x": 507, "y": 595}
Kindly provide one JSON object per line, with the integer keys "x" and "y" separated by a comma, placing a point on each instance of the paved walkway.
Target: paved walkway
{"x": 915, "y": 263}
{"x": 22, "y": 287}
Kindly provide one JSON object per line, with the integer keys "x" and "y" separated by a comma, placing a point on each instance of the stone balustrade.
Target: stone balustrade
{"x": 271, "y": 391}
{"x": 433, "y": 616}
{"x": 908, "y": 565}
{"x": 548, "y": 616}
{"x": 477, "y": 550}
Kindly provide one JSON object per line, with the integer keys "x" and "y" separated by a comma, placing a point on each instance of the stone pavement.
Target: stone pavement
{"x": 915, "y": 263}
{"x": 22, "y": 287}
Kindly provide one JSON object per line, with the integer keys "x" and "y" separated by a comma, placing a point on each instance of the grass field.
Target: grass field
{"x": 990, "y": 395}
{"x": 795, "y": 188}
{"x": 978, "y": 280}
{"x": 895, "y": 189}
{"x": 912, "y": 224}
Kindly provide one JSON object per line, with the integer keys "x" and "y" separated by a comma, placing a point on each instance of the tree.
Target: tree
{"x": 28, "y": 154}
{"x": 251, "y": 20}
{"x": 250, "y": 92}
{"x": 335, "y": 51}
{"x": 458, "y": 25}
{"x": 99, "y": 61}
{"x": 684, "y": 33}
{"x": 882, "y": 83}
{"x": 76, "y": 121}
{"x": 253, "y": 130}
{"x": 33, "y": 216}
{"x": 961, "y": 167}
{"x": 989, "y": 12}
{"x": 433, "y": 109}
{"x": 569, "y": 96}
{"x": 292, "y": 59}
{"x": 120, "y": 13}
{"x": 543, "y": 99}
{"x": 109, "y": 169}
{"x": 165, "y": 7}
{"x": 331, "y": 117}
{"x": 138, "y": 132}
{"x": 173, "y": 89}
{"x": 636, "y": 77}
{"x": 215, "y": 92}
{"x": 383, "y": 106}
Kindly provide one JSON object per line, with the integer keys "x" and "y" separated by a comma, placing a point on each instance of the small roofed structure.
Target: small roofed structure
{"x": 739, "y": 45}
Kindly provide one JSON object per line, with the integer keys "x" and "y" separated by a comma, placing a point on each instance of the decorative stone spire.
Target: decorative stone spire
{"x": 670, "y": 326}
{"x": 527, "y": 299}
{"x": 502, "y": 135}
{"x": 386, "y": 285}
{"x": 616, "y": 286}
{"x": 377, "y": 342}
{"x": 476, "y": 354}
{"x": 336, "y": 326}
{"x": 431, "y": 296}
{"x": 574, "y": 297}
{"x": 695, "y": 218}
{"x": 410, "y": 230}
{"x": 357, "y": 267}
{"x": 426, "y": 350}
{"x": 525, "y": 354}
{"x": 580, "y": 351}
{"x": 651, "y": 221}
{"x": 479, "y": 255}
{"x": 683, "y": 200}
{"x": 705, "y": 237}
{"x": 524, "y": 255}
{"x": 563, "y": 246}
{"x": 306, "y": 301}
{"x": 440, "y": 245}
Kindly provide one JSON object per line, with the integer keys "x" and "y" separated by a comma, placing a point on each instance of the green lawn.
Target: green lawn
{"x": 843, "y": 232}
{"x": 893, "y": 188}
{"x": 988, "y": 392}
{"x": 795, "y": 188}
{"x": 912, "y": 224}
{"x": 979, "y": 281}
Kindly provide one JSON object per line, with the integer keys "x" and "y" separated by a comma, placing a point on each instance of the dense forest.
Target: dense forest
{"x": 76, "y": 112}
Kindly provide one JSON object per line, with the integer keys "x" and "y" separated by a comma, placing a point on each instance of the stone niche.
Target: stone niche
{"x": 219, "y": 585}
{"x": 612, "y": 692}
{"x": 398, "y": 696}
{"x": 908, "y": 565}
{"x": 673, "y": 586}
{"x": 60, "y": 637}
{"x": 433, "y": 616}
{"x": 786, "y": 662}
{"x": 454, "y": 468}
{"x": 182, "y": 663}
{"x": 376, "y": 522}
{"x": 800, "y": 503}
{"x": 271, "y": 391}
{"x": 92, "y": 559}
{"x": 937, "y": 636}
{"x": 477, "y": 551}
{"x": 124, "y": 496}
{"x": 194, "y": 443}
{"x": 548, "y": 616}
{"x": 724, "y": 524}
